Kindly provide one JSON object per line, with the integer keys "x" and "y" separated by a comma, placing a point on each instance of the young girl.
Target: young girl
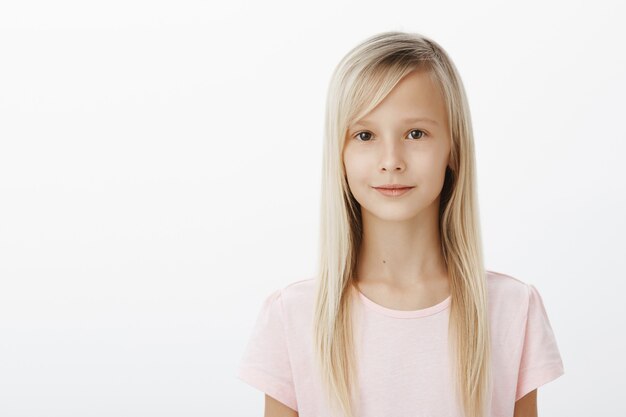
{"x": 402, "y": 319}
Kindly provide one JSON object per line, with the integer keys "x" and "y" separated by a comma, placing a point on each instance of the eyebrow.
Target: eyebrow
{"x": 406, "y": 120}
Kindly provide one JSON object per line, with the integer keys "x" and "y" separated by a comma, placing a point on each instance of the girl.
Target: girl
{"x": 402, "y": 319}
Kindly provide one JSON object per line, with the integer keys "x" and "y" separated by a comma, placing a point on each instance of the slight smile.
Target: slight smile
{"x": 393, "y": 190}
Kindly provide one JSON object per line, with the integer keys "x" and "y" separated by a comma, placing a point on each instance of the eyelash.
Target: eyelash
{"x": 355, "y": 136}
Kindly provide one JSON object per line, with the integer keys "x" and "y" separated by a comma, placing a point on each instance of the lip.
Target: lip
{"x": 393, "y": 192}
{"x": 391, "y": 186}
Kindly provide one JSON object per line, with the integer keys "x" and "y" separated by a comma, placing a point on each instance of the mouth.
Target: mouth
{"x": 394, "y": 191}
{"x": 393, "y": 186}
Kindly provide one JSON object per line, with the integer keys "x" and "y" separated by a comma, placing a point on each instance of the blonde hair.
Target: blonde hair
{"x": 360, "y": 81}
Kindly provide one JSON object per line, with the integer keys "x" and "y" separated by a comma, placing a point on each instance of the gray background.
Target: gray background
{"x": 160, "y": 166}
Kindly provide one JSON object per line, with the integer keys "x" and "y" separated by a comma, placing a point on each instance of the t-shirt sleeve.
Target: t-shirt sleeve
{"x": 265, "y": 364}
{"x": 540, "y": 361}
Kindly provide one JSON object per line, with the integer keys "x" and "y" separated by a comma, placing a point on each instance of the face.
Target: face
{"x": 391, "y": 145}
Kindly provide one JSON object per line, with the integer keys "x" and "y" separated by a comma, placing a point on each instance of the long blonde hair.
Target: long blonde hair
{"x": 360, "y": 81}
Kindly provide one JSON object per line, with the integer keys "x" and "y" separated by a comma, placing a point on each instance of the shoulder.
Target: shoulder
{"x": 508, "y": 298}
{"x": 298, "y": 296}
{"x": 506, "y": 288}
{"x": 293, "y": 291}
{"x": 299, "y": 288}
{"x": 294, "y": 298}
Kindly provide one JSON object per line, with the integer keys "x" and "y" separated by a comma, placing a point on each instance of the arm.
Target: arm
{"x": 527, "y": 405}
{"x": 274, "y": 408}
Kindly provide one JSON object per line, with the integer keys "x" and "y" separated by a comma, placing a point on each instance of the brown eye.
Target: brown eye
{"x": 416, "y": 130}
{"x": 359, "y": 137}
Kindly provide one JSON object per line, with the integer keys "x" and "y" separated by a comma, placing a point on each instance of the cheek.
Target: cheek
{"x": 431, "y": 165}
{"x": 357, "y": 169}
{"x": 356, "y": 178}
{"x": 429, "y": 176}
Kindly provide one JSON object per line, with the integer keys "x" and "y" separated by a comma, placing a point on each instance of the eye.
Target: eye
{"x": 422, "y": 133}
{"x": 358, "y": 136}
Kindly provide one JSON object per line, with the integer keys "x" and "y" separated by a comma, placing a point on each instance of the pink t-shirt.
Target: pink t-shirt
{"x": 402, "y": 356}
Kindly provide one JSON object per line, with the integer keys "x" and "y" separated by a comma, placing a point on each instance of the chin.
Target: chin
{"x": 392, "y": 214}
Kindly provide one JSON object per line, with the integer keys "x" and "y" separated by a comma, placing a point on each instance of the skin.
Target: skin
{"x": 274, "y": 408}
{"x": 527, "y": 405}
{"x": 401, "y": 265}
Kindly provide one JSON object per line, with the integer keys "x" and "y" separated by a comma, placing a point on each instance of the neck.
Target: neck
{"x": 401, "y": 253}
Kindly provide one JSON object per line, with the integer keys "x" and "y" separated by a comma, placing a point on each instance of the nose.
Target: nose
{"x": 392, "y": 158}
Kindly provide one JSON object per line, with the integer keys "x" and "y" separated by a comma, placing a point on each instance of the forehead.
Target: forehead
{"x": 417, "y": 97}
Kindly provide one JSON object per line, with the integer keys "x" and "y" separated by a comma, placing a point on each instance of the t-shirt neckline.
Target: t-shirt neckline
{"x": 428, "y": 311}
